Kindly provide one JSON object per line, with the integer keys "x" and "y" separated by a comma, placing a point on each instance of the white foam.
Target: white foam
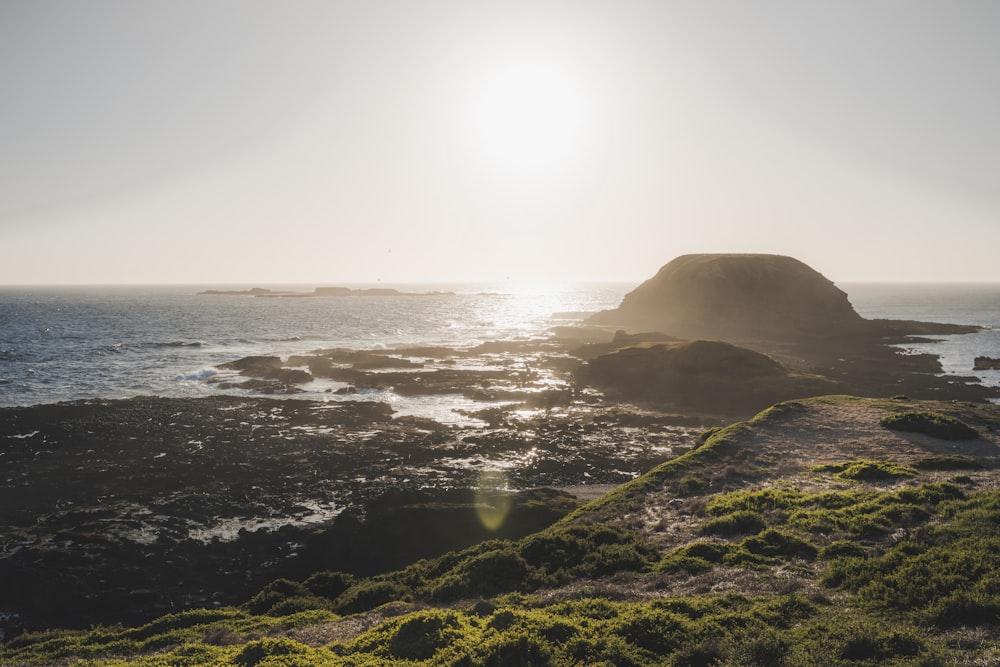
{"x": 201, "y": 374}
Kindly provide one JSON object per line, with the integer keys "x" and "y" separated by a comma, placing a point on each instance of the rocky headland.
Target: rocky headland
{"x": 782, "y": 308}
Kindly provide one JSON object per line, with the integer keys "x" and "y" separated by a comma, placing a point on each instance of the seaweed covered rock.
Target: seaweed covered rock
{"x": 737, "y": 297}
{"x": 710, "y": 376}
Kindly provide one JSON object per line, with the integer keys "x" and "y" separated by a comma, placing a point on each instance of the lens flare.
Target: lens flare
{"x": 492, "y": 499}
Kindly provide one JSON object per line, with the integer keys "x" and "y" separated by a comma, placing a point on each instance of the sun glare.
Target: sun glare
{"x": 527, "y": 120}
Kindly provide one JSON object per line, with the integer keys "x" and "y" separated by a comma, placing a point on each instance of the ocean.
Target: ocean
{"x": 65, "y": 343}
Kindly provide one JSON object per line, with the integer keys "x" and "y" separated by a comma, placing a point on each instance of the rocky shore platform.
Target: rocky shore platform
{"x": 127, "y": 509}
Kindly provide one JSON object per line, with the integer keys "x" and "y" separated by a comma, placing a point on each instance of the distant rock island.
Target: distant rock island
{"x": 737, "y": 296}
{"x": 321, "y": 291}
{"x": 768, "y": 304}
{"x": 751, "y": 297}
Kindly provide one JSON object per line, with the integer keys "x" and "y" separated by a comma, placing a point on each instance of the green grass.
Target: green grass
{"x": 946, "y": 573}
{"x": 934, "y": 424}
{"x": 867, "y": 471}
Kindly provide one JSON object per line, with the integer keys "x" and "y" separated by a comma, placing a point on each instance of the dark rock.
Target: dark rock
{"x": 708, "y": 376}
{"x": 257, "y": 365}
{"x": 268, "y": 368}
{"x": 986, "y": 364}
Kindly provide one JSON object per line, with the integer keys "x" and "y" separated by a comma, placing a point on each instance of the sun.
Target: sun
{"x": 527, "y": 120}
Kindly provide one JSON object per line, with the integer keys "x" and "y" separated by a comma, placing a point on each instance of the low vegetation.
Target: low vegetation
{"x": 863, "y": 561}
{"x": 933, "y": 424}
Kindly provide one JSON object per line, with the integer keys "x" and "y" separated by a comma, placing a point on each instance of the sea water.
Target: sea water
{"x": 954, "y": 303}
{"x": 116, "y": 342}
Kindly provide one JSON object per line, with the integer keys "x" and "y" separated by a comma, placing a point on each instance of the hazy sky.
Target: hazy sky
{"x": 243, "y": 141}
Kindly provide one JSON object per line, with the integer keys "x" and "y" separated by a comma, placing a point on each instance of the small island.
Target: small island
{"x": 321, "y": 291}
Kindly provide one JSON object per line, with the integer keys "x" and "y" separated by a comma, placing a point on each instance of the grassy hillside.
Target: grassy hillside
{"x": 827, "y": 531}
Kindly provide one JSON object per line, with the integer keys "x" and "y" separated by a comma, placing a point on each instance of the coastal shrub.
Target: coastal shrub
{"x": 842, "y": 549}
{"x": 869, "y": 519}
{"x": 694, "y": 558}
{"x": 370, "y": 593}
{"x": 586, "y": 551}
{"x": 713, "y": 552}
{"x": 256, "y": 652}
{"x": 933, "y": 424}
{"x": 551, "y": 557}
{"x": 658, "y": 631}
{"x": 275, "y": 592}
{"x": 712, "y": 629}
{"x": 690, "y": 486}
{"x": 679, "y": 561}
{"x": 742, "y": 522}
{"x": 706, "y": 652}
{"x": 947, "y": 463}
{"x": 855, "y": 513}
{"x": 484, "y": 575}
{"x": 760, "y": 500}
{"x": 941, "y": 572}
{"x": 327, "y": 584}
{"x": 929, "y": 495}
{"x": 783, "y": 611}
{"x": 863, "y": 641}
{"x": 773, "y": 543}
{"x": 420, "y": 636}
{"x": 867, "y": 471}
{"x": 181, "y": 621}
{"x": 505, "y": 649}
{"x": 964, "y": 608}
{"x": 757, "y": 645}
{"x": 299, "y": 603}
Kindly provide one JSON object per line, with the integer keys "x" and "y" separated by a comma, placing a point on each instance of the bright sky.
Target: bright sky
{"x": 251, "y": 141}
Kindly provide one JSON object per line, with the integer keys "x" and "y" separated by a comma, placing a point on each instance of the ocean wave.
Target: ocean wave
{"x": 122, "y": 347}
{"x": 115, "y": 348}
{"x": 202, "y": 374}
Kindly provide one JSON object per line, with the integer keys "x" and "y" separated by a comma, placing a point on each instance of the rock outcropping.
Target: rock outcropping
{"x": 737, "y": 297}
{"x": 708, "y": 376}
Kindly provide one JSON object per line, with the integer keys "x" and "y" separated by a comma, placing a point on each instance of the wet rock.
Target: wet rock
{"x": 270, "y": 368}
{"x": 708, "y": 376}
{"x": 205, "y": 500}
{"x": 986, "y": 364}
